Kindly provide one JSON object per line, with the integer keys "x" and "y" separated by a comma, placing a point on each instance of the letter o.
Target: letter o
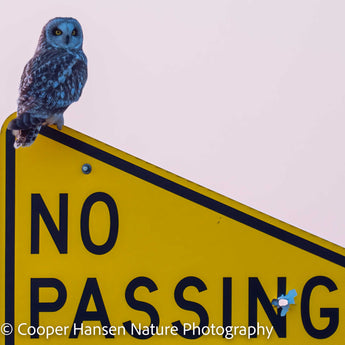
{"x": 40, "y": 330}
{"x": 85, "y": 226}
{"x": 31, "y": 330}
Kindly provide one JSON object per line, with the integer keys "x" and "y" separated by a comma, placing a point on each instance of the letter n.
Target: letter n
{"x": 59, "y": 235}
{"x": 256, "y": 292}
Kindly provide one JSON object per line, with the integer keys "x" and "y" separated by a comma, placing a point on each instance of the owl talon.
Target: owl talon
{"x": 60, "y": 123}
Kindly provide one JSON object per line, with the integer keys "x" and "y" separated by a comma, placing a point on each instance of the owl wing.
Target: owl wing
{"x": 52, "y": 80}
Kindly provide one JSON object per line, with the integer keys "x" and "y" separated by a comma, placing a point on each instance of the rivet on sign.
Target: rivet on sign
{"x": 86, "y": 168}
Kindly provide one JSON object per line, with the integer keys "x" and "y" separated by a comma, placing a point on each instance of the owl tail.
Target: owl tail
{"x": 25, "y": 128}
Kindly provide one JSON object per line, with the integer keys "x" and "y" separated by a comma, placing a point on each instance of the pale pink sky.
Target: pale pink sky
{"x": 244, "y": 97}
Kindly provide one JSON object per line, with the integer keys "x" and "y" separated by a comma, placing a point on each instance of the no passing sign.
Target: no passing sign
{"x": 99, "y": 246}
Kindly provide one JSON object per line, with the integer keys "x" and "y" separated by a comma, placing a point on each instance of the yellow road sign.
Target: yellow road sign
{"x": 97, "y": 244}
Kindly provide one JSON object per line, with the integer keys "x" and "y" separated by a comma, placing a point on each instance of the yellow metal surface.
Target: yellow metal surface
{"x": 164, "y": 236}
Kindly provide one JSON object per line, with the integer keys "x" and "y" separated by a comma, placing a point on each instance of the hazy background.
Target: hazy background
{"x": 244, "y": 97}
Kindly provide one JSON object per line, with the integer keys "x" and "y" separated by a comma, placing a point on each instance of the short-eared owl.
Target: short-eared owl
{"x": 52, "y": 80}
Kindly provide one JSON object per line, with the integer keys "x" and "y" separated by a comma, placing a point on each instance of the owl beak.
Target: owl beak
{"x": 67, "y": 39}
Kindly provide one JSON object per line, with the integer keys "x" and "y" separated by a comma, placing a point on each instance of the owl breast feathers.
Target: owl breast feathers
{"x": 52, "y": 80}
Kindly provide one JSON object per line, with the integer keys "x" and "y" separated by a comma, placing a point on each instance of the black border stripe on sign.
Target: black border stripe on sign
{"x": 193, "y": 196}
{"x": 9, "y": 234}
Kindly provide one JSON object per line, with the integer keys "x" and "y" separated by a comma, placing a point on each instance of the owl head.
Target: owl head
{"x": 62, "y": 32}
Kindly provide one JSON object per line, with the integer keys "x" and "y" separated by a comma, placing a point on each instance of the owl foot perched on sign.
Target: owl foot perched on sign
{"x": 52, "y": 80}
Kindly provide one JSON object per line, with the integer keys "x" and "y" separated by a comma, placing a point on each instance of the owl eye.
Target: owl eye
{"x": 74, "y": 32}
{"x": 57, "y": 32}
